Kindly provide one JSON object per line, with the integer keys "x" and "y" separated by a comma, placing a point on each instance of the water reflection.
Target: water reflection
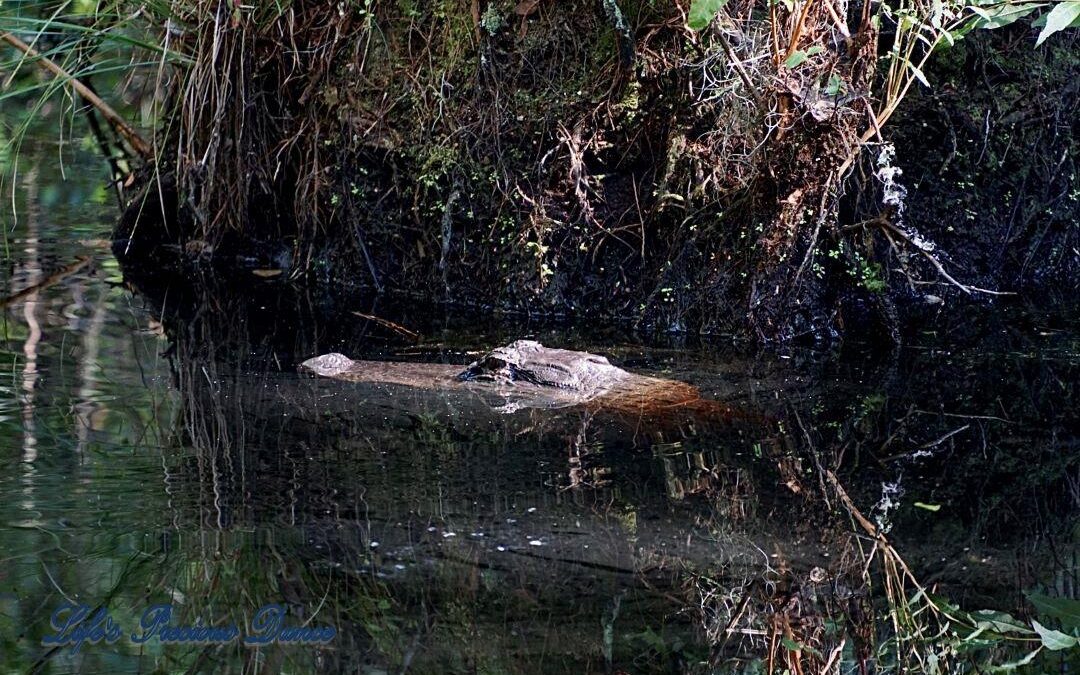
{"x": 159, "y": 445}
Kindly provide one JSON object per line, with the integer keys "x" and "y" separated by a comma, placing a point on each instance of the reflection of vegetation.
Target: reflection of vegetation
{"x": 869, "y": 608}
{"x": 860, "y": 606}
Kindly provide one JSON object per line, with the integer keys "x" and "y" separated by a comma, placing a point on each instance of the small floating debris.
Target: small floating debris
{"x": 535, "y": 542}
{"x": 447, "y": 535}
{"x": 374, "y": 544}
{"x": 266, "y": 274}
{"x": 500, "y": 548}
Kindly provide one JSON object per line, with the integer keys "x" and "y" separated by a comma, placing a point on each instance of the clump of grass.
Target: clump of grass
{"x": 91, "y": 59}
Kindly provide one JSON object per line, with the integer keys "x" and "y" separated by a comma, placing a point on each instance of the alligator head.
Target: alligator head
{"x": 528, "y": 361}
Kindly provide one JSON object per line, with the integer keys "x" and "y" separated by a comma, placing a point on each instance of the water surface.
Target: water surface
{"x": 159, "y": 446}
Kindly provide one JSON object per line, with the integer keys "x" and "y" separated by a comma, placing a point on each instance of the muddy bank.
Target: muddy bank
{"x": 601, "y": 159}
{"x": 989, "y": 159}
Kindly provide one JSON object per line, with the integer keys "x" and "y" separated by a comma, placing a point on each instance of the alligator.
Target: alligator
{"x": 526, "y": 374}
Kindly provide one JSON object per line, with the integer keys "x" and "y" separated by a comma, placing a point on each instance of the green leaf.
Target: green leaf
{"x": 1063, "y": 15}
{"x": 702, "y": 12}
{"x": 1065, "y": 610}
{"x": 794, "y": 646}
{"x": 928, "y": 507}
{"x": 795, "y": 59}
{"x": 835, "y": 86}
{"x": 1013, "y": 665}
{"x": 941, "y": 602}
{"x": 1004, "y": 14}
{"x": 919, "y": 75}
{"x": 1054, "y": 640}
{"x": 816, "y": 49}
{"x": 999, "y": 622}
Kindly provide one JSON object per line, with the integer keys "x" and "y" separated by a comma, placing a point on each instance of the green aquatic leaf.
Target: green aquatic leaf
{"x": 928, "y": 507}
{"x": 999, "y": 622}
{"x": 1013, "y": 665}
{"x": 702, "y": 12}
{"x": 1054, "y": 640}
{"x": 1063, "y": 15}
{"x": 1003, "y": 15}
{"x": 1065, "y": 610}
{"x": 795, "y": 59}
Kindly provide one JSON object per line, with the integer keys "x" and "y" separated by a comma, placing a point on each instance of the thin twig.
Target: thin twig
{"x": 937, "y": 263}
{"x": 968, "y": 417}
{"x": 837, "y": 20}
{"x": 137, "y": 143}
{"x": 944, "y": 438}
{"x": 794, "y": 43}
{"x": 74, "y": 267}
{"x": 397, "y": 328}
{"x": 758, "y": 100}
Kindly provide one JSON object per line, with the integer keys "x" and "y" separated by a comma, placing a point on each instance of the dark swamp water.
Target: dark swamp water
{"x": 159, "y": 446}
